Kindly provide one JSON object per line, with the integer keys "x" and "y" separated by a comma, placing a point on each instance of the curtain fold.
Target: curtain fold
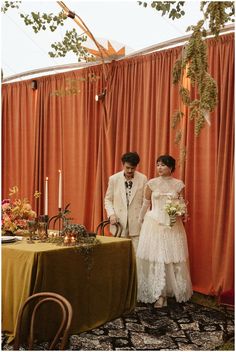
{"x": 221, "y": 53}
{"x": 72, "y": 122}
{"x": 19, "y": 135}
{"x": 61, "y": 126}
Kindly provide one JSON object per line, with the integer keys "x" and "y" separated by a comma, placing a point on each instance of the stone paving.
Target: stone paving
{"x": 179, "y": 326}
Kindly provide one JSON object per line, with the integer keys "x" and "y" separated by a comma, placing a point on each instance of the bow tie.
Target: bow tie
{"x": 128, "y": 184}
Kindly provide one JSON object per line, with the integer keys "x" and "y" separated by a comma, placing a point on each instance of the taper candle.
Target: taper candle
{"x": 46, "y": 197}
{"x": 60, "y": 190}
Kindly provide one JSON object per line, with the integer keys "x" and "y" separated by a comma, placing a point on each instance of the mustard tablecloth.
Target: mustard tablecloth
{"x": 97, "y": 295}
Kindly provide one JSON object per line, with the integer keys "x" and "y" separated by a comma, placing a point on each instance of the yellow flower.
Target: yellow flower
{"x": 37, "y": 194}
{"x": 13, "y": 190}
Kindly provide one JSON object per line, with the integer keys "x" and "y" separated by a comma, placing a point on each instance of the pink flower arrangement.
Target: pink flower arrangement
{"x": 16, "y": 212}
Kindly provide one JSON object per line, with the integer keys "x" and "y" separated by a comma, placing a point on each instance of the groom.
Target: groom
{"x": 124, "y": 197}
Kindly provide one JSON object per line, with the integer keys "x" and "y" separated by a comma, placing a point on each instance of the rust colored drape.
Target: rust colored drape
{"x": 19, "y": 135}
{"x": 71, "y": 122}
{"x": 209, "y": 180}
{"x": 61, "y": 126}
{"x": 223, "y": 245}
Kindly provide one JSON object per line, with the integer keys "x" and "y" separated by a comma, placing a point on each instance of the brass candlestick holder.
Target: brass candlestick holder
{"x": 60, "y": 219}
{"x": 57, "y": 219}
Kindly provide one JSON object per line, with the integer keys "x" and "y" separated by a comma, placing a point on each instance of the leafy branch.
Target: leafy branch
{"x": 44, "y": 21}
{"x": 72, "y": 42}
{"x": 7, "y": 5}
{"x": 173, "y": 8}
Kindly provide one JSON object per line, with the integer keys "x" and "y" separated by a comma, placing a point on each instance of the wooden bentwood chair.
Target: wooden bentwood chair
{"x": 37, "y": 300}
{"x": 103, "y": 224}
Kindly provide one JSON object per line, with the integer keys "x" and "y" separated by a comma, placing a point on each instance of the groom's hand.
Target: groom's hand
{"x": 113, "y": 219}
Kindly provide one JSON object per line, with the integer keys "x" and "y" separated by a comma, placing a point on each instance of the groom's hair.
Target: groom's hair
{"x": 131, "y": 158}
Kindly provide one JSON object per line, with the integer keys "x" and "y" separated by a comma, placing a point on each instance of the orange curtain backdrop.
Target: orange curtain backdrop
{"x": 19, "y": 137}
{"x": 209, "y": 180}
{"x": 73, "y": 134}
{"x": 141, "y": 100}
{"x": 223, "y": 246}
{"x": 71, "y": 121}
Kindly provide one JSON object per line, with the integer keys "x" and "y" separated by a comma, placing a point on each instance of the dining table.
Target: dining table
{"x": 100, "y": 286}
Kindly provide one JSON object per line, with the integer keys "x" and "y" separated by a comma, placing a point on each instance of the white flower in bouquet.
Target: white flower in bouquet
{"x": 175, "y": 208}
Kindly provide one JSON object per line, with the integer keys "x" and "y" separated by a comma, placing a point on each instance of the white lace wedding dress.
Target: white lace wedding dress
{"x": 162, "y": 254}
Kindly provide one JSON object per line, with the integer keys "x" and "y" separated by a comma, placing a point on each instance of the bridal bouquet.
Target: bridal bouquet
{"x": 175, "y": 208}
{"x": 16, "y": 212}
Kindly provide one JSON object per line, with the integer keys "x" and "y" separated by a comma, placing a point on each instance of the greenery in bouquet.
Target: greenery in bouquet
{"x": 16, "y": 212}
{"x": 175, "y": 208}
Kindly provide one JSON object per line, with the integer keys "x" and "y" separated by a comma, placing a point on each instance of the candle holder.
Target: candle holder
{"x": 45, "y": 220}
{"x": 59, "y": 219}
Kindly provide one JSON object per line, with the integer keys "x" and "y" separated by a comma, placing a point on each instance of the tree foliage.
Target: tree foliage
{"x": 174, "y": 9}
{"x": 72, "y": 42}
{"x": 10, "y": 5}
{"x": 44, "y": 21}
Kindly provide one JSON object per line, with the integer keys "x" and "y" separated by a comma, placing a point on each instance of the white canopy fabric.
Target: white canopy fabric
{"x": 124, "y": 23}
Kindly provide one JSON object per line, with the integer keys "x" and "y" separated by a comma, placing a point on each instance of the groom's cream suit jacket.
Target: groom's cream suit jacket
{"x": 116, "y": 202}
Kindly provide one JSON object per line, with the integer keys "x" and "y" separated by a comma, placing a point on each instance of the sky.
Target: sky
{"x": 122, "y": 22}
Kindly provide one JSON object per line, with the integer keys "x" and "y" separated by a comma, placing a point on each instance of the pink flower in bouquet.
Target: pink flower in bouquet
{"x": 16, "y": 212}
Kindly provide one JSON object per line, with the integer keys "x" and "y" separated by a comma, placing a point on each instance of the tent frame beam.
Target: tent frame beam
{"x": 145, "y": 51}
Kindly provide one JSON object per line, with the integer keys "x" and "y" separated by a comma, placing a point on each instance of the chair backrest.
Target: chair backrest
{"x": 37, "y": 300}
{"x": 104, "y": 223}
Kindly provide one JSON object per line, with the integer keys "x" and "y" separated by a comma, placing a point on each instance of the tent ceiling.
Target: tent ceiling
{"x": 123, "y": 23}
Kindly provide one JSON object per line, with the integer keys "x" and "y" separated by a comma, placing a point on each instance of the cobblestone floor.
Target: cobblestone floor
{"x": 179, "y": 326}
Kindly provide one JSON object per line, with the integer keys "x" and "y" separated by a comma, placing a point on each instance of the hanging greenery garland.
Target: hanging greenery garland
{"x": 193, "y": 59}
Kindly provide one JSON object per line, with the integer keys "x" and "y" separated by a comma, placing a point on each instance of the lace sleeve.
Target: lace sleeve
{"x": 151, "y": 184}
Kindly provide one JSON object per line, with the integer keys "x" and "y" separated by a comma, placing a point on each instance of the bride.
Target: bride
{"x": 162, "y": 254}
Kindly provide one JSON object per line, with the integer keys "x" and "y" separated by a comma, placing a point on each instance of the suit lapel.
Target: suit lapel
{"x": 122, "y": 189}
{"x": 134, "y": 188}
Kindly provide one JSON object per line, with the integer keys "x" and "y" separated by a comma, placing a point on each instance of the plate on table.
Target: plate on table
{"x": 8, "y": 239}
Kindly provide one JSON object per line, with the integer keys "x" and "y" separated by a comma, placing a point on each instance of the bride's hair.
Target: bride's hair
{"x": 168, "y": 161}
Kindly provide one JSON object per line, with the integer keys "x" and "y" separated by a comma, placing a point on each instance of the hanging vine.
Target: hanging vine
{"x": 218, "y": 13}
{"x": 193, "y": 59}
